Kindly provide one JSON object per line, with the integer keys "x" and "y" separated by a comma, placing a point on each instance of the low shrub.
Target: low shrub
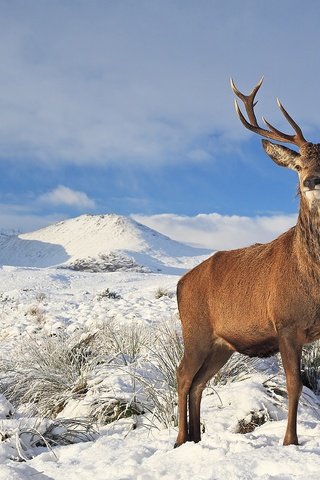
{"x": 310, "y": 366}
{"x": 108, "y": 294}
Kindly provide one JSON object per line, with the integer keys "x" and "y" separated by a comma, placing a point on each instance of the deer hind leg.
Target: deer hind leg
{"x": 186, "y": 371}
{"x": 218, "y": 356}
{"x": 290, "y": 352}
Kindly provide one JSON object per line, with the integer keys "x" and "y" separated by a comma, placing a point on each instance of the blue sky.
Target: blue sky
{"x": 126, "y": 107}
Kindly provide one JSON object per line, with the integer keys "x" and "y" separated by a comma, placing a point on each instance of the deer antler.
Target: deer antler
{"x": 273, "y": 133}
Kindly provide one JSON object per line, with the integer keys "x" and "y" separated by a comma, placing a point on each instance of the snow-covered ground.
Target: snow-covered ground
{"x": 39, "y": 299}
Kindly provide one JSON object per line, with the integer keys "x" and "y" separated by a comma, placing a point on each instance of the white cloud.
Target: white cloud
{"x": 62, "y": 195}
{"x": 16, "y": 219}
{"x": 219, "y": 232}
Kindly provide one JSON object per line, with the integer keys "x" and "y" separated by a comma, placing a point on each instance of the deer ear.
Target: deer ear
{"x": 283, "y": 156}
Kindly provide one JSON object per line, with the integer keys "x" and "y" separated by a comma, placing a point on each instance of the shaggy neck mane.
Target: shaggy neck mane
{"x": 308, "y": 239}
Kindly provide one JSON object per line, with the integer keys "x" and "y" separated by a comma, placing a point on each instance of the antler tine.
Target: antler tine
{"x": 248, "y": 100}
{"x": 273, "y": 133}
{"x": 297, "y": 139}
{"x": 243, "y": 119}
{"x": 277, "y": 131}
{"x": 293, "y": 124}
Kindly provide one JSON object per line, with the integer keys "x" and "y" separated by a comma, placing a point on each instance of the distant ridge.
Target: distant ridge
{"x": 99, "y": 243}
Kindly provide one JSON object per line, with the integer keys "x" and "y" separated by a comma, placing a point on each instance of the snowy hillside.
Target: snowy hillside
{"x": 99, "y": 243}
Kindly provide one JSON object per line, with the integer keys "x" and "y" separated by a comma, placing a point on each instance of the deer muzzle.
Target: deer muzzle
{"x": 311, "y": 188}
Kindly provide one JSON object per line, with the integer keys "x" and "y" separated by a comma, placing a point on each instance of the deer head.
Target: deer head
{"x": 306, "y": 162}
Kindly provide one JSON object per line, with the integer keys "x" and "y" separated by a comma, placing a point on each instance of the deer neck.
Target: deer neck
{"x": 307, "y": 239}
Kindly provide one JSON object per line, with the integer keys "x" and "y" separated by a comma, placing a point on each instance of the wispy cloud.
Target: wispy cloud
{"x": 219, "y": 232}
{"x": 143, "y": 80}
{"x": 19, "y": 219}
{"x": 62, "y": 195}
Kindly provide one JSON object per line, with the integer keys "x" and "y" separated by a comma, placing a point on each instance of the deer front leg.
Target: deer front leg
{"x": 290, "y": 351}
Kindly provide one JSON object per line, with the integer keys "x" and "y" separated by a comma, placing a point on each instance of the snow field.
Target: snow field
{"x": 74, "y": 302}
{"x": 122, "y": 454}
{"x": 73, "y": 342}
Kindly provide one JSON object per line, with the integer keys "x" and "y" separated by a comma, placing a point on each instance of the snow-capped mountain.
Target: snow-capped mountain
{"x": 99, "y": 243}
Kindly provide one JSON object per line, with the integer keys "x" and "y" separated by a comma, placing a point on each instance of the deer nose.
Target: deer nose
{"x": 311, "y": 182}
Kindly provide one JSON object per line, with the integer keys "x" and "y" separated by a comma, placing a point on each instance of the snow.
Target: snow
{"x": 85, "y": 239}
{"x": 38, "y": 297}
{"x": 221, "y": 454}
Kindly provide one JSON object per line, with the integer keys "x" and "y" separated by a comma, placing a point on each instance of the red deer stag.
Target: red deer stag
{"x": 257, "y": 300}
